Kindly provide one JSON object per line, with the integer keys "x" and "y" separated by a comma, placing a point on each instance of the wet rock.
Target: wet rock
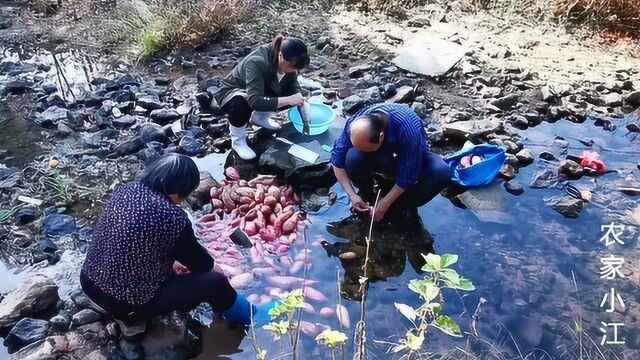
{"x": 64, "y": 129}
{"x": 204, "y": 100}
{"x": 95, "y": 140}
{"x": 435, "y": 135}
{"x": 469, "y": 69}
{"x": 128, "y": 147}
{"x": 548, "y": 93}
{"x": 520, "y": 122}
{"x": 17, "y": 87}
{"x": 612, "y": 100}
{"x": 543, "y": 179}
{"x": 353, "y": 103}
{"x": 102, "y": 116}
{"x": 61, "y": 322}
{"x": 5, "y": 23}
{"x": 524, "y": 156}
{"x": 52, "y": 116}
{"x": 491, "y": 92}
{"x": 405, "y": 94}
{"x": 81, "y": 300}
{"x": 76, "y": 119}
{"x": 513, "y": 187}
{"x": 91, "y": 99}
{"x": 84, "y": 317}
{"x": 124, "y": 122}
{"x": 420, "y": 109}
{"x": 370, "y": 95}
{"x": 148, "y": 156}
{"x": 164, "y": 116}
{"x": 633, "y": 98}
{"x": 390, "y": 90}
{"x": 633, "y": 127}
{"x": 31, "y": 297}
{"x": 190, "y": 146}
{"x": 511, "y": 147}
{"x": 56, "y": 100}
{"x": 567, "y": 206}
{"x": 50, "y": 348}
{"x": 545, "y": 155}
{"x": 561, "y": 143}
{"x": 47, "y": 246}
{"x": 49, "y": 88}
{"x": 25, "y": 216}
{"x": 59, "y": 224}
{"x": 506, "y": 102}
{"x": 463, "y": 129}
{"x": 149, "y": 102}
{"x": 153, "y": 132}
{"x": 127, "y": 80}
{"x": 359, "y": 70}
{"x": 322, "y": 42}
{"x": 507, "y": 172}
{"x": 419, "y": 23}
{"x": 25, "y": 332}
{"x": 571, "y": 169}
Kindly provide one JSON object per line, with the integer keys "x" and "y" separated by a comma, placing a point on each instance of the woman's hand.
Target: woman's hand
{"x": 179, "y": 269}
{"x": 296, "y": 99}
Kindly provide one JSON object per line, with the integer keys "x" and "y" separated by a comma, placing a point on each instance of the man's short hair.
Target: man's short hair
{"x": 376, "y": 127}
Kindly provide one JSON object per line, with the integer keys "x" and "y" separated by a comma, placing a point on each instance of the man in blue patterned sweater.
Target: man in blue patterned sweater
{"x": 388, "y": 139}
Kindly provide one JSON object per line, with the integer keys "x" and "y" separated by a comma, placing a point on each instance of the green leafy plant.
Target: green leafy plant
{"x": 331, "y": 339}
{"x": 5, "y": 214}
{"x": 429, "y": 314}
{"x": 56, "y": 187}
{"x": 282, "y": 324}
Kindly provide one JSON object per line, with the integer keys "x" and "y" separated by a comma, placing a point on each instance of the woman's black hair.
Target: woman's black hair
{"x": 172, "y": 174}
{"x": 376, "y": 126}
{"x": 293, "y": 49}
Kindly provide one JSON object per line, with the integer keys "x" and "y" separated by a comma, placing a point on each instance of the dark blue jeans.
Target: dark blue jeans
{"x": 435, "y": 175}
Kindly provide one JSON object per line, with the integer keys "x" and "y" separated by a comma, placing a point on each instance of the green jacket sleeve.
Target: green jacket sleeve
{"x": 255, "y": 89}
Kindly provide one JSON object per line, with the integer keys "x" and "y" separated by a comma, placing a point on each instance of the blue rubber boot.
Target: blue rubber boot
{"x": 261, "y": 314}
{"x": 241, "y": 310}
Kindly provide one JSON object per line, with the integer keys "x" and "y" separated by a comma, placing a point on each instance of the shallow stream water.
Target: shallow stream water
{"x": 526, "y": 267}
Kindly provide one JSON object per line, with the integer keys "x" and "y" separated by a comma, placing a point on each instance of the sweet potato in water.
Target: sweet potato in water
{"x": 217, "y": 204}
{"x": 266, "y": 210}
{"x": 274, "y": 191}
{"x": 270, "y": 201}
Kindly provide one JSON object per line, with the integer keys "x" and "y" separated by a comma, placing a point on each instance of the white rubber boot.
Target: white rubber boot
{"x": 239, "y": 142}
{"x": 263, "y": 119}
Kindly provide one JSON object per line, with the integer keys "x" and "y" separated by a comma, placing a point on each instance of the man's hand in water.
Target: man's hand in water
{"x": 380, "y": 210}
{"x": 358, "y": 204}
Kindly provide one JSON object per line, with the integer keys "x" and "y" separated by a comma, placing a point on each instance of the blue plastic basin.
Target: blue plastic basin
{"x": 321, "y": 118}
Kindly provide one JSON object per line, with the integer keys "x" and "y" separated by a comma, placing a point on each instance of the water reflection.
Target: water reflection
{"x": 393, "y": 245}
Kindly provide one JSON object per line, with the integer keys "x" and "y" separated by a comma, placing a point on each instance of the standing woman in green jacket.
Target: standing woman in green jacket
{"x": 262, "y": 83}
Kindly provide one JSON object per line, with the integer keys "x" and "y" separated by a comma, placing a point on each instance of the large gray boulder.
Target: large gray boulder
{"x": 31, "y": 297}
